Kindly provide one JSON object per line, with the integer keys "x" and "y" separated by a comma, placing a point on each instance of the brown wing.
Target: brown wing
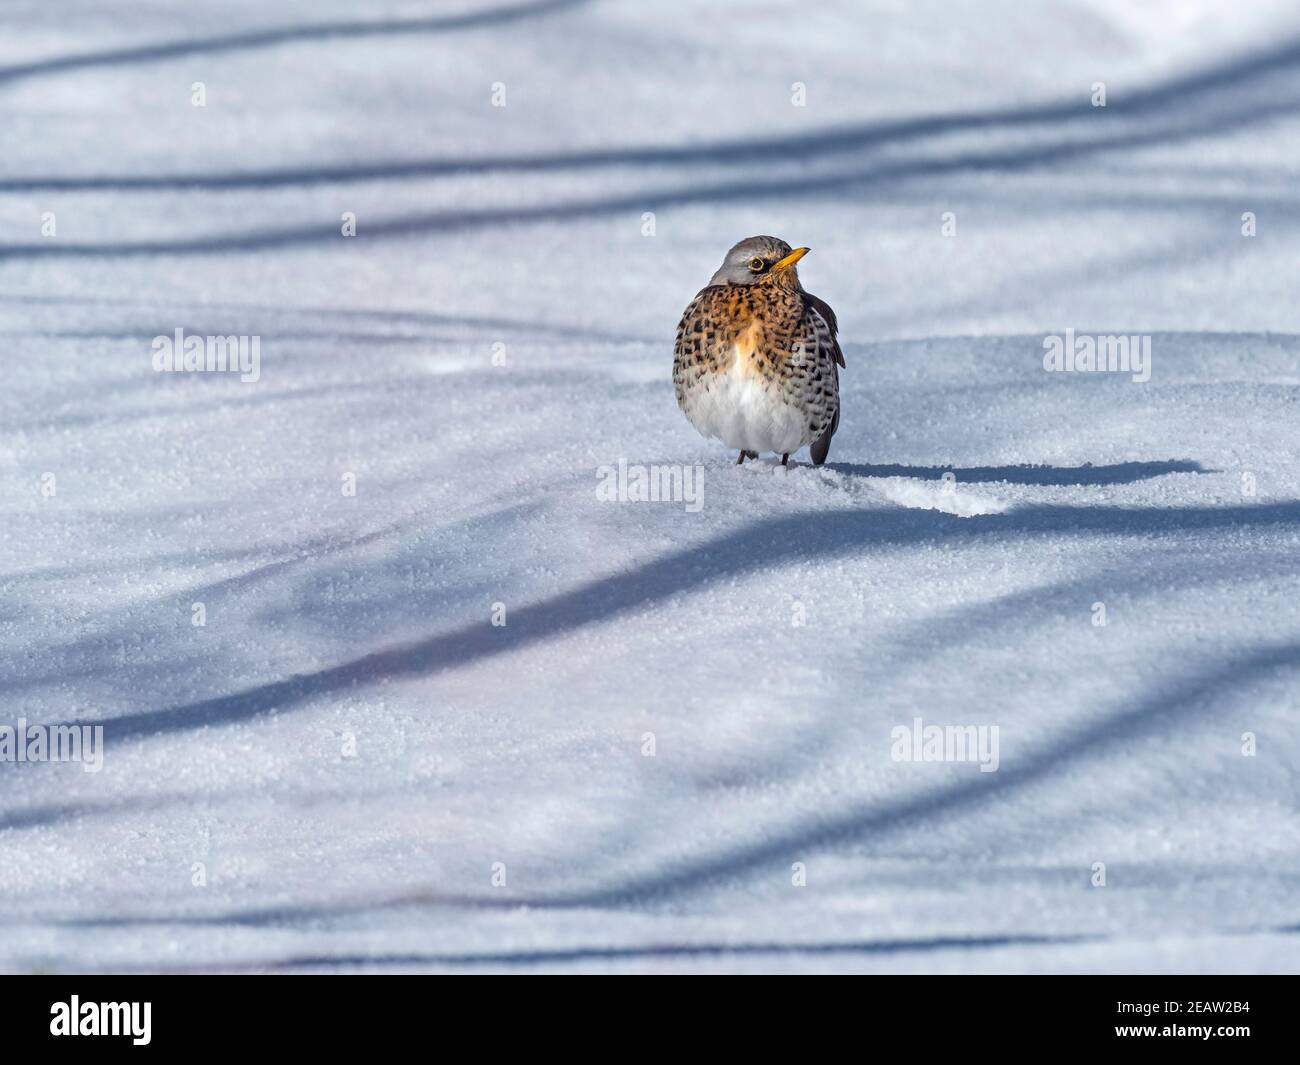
{"x": 824, "y": 309}
{"x": 825, "y": 330}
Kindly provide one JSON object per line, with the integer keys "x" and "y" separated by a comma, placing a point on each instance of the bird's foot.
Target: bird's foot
{"x": 785, "y": 459}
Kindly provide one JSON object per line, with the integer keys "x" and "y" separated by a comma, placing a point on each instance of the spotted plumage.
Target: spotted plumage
{"x": 756, "y": 363}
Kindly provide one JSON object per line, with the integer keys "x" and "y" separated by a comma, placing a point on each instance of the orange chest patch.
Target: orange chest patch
{"x": 750, "y": 339}
{"x": 757, "y": 351}
{"x": 749, "y": 350}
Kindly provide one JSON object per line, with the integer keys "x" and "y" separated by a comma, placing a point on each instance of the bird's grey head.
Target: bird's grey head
{"x": 759, "y": 260}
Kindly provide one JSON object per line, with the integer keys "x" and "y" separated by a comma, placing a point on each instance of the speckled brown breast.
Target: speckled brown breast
{"x": 773, "y": 333}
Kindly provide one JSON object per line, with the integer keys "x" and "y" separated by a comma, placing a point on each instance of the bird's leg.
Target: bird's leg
{"x": 785, "y": 459}
{"x": 740, "y": 459}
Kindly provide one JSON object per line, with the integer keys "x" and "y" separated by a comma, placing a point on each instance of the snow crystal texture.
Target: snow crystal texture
{"x": 450, "y": 707}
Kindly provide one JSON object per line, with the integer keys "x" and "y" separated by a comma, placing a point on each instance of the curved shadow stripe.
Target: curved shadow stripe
{"x": 682, "y": 951}
{"x": 1126, "y": 725}
{"x": 1181, "y": 94}
{"x": 685, "y": 194}
{"x": 270, "y": 38}
{"x": 763, "y": 545}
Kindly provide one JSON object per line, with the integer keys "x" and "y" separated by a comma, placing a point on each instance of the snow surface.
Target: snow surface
{"x": 518, "y": 230}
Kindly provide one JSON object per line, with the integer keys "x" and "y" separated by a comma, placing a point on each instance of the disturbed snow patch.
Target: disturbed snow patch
{"x": 918, "y": 494}
{"x": 932, "y": 495}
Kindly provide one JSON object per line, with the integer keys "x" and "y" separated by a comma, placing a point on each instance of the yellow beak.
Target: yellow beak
{"x": 791, "y": 259}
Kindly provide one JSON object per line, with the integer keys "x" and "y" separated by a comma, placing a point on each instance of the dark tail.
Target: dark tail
{"x": 822, "y": 445}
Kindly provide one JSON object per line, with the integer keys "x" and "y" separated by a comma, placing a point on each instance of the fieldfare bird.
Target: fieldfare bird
{"x": 756, "y": 360}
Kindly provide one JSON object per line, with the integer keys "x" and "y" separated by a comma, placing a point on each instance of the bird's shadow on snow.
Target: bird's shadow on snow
{"x": 1028, "y": 474}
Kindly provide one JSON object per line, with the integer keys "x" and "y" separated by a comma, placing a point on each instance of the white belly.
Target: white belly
{"x": 745, "y": 412}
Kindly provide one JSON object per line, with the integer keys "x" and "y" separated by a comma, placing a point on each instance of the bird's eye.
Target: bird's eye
{"x": 756, "y": 264}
